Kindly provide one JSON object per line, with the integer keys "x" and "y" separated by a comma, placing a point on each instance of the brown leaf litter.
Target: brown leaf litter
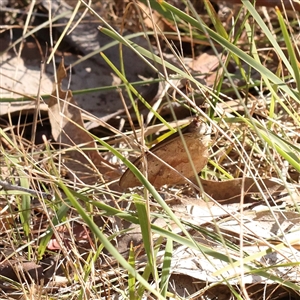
{"x": 68, "y": 130}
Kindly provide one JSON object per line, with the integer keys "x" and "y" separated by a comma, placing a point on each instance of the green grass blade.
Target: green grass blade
{"x": 166, "y": 267}
{"x": 290, "y": 49}
{"x": 131, "y": 278}
{"x": 104, "y": 240}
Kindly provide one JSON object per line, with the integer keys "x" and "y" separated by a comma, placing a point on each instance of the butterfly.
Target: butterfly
{"x": 168, "y": 162}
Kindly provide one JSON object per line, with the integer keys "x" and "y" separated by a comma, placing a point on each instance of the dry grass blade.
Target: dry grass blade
{"x": 235, "y": 66}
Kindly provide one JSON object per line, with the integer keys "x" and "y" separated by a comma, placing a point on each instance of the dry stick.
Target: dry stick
{"x": 10, "y": 187}
{"x": 37, "y": 106}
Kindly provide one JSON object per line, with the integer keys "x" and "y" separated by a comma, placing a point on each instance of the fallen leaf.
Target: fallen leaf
{"x": 230, "y": 191}
{"x": 155, "y": 19}
{"x": 168, "y": 162}
{"x": 21, "y": 271}
{"x": 68, "y": 129}
{"x": 208, "y": 64}
{"x": 79, "y": 233}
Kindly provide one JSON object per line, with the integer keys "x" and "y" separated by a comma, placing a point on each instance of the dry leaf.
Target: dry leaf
{"x": 66, "y": 120}
{"x": 21, "y": 271}
{"x": 78, "y": 233}
{"x": 208, "y": 64}
{"x": 230, "y": 191}
{"x": 155, "y": 18}
{"x": 171, "y": 154}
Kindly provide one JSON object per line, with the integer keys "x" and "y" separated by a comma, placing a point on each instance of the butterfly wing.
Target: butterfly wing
{"x": 168, "y": 161}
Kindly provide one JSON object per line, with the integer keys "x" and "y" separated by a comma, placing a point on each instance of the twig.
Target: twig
{"x": 10, "y": 187}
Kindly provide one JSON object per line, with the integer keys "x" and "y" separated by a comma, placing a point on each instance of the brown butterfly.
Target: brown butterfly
{"x": 171, "y": 154}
